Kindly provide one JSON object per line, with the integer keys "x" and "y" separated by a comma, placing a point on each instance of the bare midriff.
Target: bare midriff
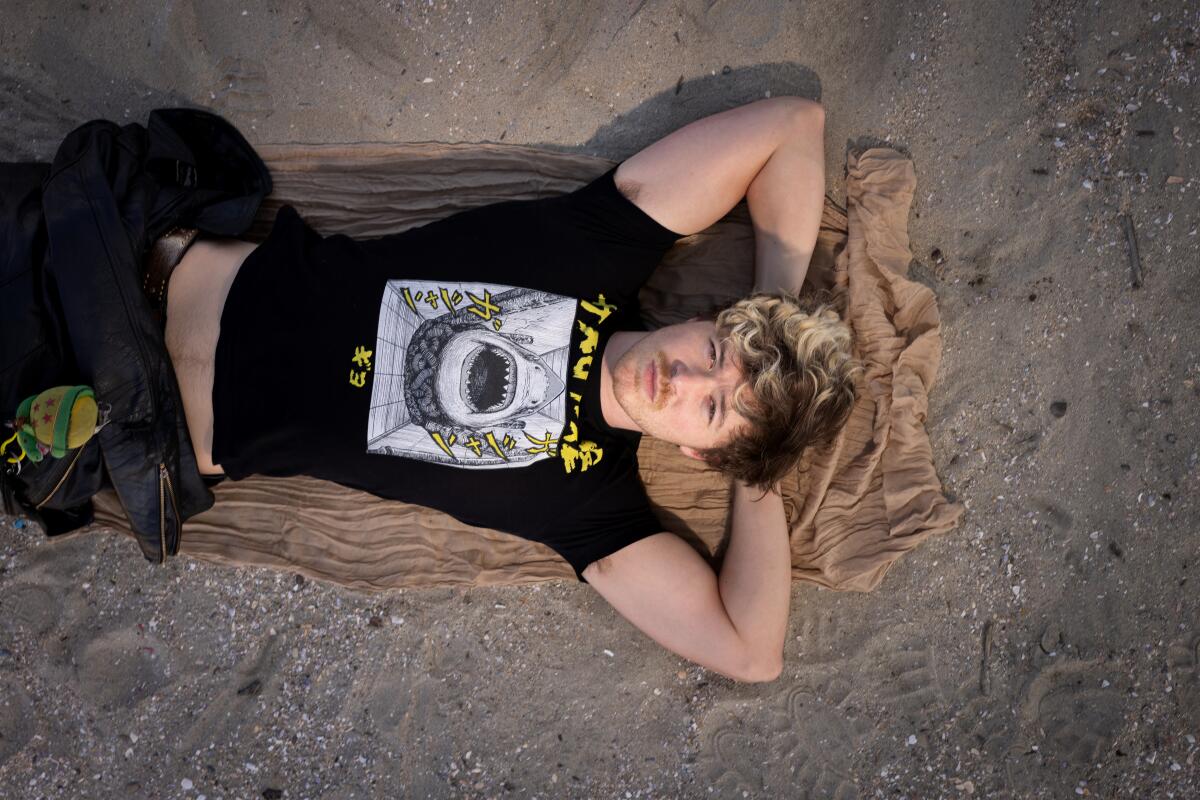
{"x": 195, "y": 298}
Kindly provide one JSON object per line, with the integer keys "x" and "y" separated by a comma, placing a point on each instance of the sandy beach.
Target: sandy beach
{"x": 1048, "y": 647}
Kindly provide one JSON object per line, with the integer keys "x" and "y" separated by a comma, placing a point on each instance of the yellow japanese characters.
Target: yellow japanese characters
{"x": 483, "y": 307}
{"x": 574, "y": 452}
{"x": 361, "y": 358}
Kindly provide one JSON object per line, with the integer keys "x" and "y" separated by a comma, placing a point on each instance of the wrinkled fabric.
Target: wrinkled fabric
{"x": 853, "y": 507}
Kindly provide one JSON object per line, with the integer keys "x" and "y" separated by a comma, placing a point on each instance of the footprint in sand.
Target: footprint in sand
{"x": 120, "y": 668}
{"x": 16, "y": 719}
{"x": 30, "y": 607}
{"x": 803, "y": 743}
{"x": 983, "y": 722}
{"x": 1183, "y": 659}
{"x": 895, "y": 657}
{"x": 404, "y": 714}
{"x": 905, "y": 668}
{"x": 1070, "y": 713}
{"x": 242, "y": 87}
{"x": 235, "y": 706}
{"x": 412, "y": 718}
{"x": 1059, "y": 517}
{"x": 798, "y": 744}
{"x": 389, "y": 705}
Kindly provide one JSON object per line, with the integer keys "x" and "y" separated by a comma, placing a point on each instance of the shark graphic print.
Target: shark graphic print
{"x": 471, "y": 375}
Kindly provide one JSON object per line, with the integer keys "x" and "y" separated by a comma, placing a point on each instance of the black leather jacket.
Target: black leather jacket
{"x": 73, "y": 235}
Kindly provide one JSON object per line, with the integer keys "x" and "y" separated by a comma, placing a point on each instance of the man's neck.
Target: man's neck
{"x": 617, "y": 346}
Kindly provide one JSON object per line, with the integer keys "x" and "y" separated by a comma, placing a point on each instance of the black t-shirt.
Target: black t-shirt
{"x": 455, "y": 366}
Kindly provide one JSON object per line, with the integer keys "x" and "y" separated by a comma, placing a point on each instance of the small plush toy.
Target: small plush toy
{"x": 54, "y": 422}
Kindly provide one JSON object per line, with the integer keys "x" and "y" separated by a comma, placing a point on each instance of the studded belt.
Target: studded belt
{"x": 165, "y": 254}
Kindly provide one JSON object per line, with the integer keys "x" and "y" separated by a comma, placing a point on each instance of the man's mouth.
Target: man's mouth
{"x": 656, "y": 382}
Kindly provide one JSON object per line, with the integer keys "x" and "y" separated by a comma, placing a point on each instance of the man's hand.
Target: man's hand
{"x": 734, "y": 624}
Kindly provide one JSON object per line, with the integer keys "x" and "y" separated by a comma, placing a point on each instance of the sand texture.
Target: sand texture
{"x": 1048, "y": 648}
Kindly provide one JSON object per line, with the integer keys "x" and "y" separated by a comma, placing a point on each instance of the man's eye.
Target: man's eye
{"x": 712, "y": 410}
{"x": 712, "y": 354}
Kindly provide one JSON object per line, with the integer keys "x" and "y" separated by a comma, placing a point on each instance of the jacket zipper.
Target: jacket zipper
{"x": 165, "y": 490}
{"x": 143, "y": 352}
{"x": 142, "y": 349}
{"x": 61, "y": 480}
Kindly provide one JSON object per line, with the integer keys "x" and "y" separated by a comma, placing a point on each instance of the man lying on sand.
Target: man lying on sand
{"x": 491, "y": 365}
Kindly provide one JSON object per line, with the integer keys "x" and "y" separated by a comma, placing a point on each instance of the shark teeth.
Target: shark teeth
{"x": 488, "y": 379}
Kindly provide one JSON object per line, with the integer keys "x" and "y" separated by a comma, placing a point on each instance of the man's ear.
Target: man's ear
{"x": 691, "y": 452}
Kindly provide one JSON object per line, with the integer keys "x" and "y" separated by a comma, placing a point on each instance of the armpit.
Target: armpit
{"x": 630, "y": 189}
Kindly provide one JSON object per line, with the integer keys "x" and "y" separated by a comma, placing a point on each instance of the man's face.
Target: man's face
{"x": 678, "y": 384}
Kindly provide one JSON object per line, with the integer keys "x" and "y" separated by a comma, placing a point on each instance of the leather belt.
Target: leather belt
{"x": 165, "y": 254}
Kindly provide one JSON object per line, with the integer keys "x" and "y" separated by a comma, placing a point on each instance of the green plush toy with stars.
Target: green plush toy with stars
{"x": 52, "y": 423}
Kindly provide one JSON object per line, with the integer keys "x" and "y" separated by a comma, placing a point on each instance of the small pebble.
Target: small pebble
{"x": 1058, "y": 408}
{"x": 912, "y": 739}
{"x": 186, "y": 783}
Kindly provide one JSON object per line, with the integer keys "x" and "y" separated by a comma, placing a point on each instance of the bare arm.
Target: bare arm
{"x": 771, "y": 152}
{"x": 734, "y": 623}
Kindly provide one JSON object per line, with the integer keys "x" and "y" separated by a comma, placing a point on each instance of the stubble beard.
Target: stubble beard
{"x": 630, "y": 392}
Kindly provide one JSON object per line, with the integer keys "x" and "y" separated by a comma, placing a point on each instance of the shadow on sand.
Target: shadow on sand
{"x": 689, "y": 100}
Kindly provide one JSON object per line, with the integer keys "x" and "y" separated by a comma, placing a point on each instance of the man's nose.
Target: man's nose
{"x": 686, "y": 380}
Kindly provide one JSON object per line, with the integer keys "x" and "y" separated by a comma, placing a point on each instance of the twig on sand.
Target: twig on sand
{"x": 985, "y": 680}
{"x": 1131, "y": 248}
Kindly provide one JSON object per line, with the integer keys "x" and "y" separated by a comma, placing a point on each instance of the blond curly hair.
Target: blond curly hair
{"x": 795, "y": 354}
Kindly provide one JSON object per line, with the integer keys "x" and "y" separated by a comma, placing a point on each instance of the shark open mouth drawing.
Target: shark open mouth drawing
{"x": 485, "y": 378}
{"x": 447, "y": 376}
{"x": 488, "y": 382}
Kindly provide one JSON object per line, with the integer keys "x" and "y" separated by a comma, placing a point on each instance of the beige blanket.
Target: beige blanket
{"x": 853, "y": 508}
